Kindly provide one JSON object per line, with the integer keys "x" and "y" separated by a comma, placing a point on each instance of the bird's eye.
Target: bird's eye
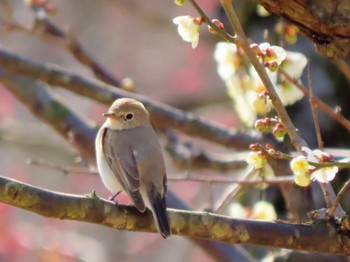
{"x": 129, "y": 116}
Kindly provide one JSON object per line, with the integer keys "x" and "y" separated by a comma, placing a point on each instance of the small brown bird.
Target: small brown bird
{"x": 129, "y": 158}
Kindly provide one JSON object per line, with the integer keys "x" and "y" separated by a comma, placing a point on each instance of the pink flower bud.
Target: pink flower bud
{"x": 279, "y": 131}
{"x": 218, "y": 23}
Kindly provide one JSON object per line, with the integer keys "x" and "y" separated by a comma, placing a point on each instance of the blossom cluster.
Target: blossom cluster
{"x": 305, "y": 172}
{"x": 245, "y": 87}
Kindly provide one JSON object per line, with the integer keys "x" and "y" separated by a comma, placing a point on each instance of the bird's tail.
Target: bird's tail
{"x": 158, "y": 206}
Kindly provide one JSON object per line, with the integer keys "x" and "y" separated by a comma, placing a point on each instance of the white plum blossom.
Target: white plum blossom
{"x": 242, "y": 100}
{"x": 188, "y": 28}
{"x": 225, "y": 55}
{"x": 324, "y": 174}
{"x": 270, "y": 55}
{"x": 302, "y": 167}
{"x": 294, "y": 65}
{"x": 245, "y": 87}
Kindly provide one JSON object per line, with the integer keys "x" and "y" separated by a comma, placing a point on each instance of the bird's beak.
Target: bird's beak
{"x": 107, "y": 114}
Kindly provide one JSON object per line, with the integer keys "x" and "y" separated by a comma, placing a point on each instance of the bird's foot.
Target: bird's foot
{"x": 92, "y": 194}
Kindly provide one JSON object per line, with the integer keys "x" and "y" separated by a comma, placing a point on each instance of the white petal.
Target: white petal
{"x": 280, "y": 53}
{"x": 188, "y": 29}
{"x": 289, "y": 93}
{"x": 294, "y": 64}
{"x": 325, "y": 175}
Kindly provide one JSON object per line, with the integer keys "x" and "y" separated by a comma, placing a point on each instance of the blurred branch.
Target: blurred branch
{"x": 199, "y": 178}
{"x": 232, "y": 191}
{"x": 48, "y": 106}
{"x": 48, "y": 31}
{"x": 189, "y": 156}
{"x": 202, "y": 225}
{"x": 43, "y": 103}
{"x": 340, "y": 195}
{"x": 64, "y": 169}
{"x": 229, "y": 180}
{"x": 161, "y": 115}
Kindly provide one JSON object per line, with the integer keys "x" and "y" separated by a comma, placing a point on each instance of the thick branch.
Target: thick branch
{"x": 325, "y": 23}
{"x": 198, "y": 224}
{"x": 162, "y": 115}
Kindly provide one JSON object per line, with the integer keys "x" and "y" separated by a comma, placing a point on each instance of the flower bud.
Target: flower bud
{"x": 254, "y": 147}
{"x": 218, "y": 23}
{"x": 279, "y": 131}
{"x": 261, "y": 125}
{"x": 272, "y": 66}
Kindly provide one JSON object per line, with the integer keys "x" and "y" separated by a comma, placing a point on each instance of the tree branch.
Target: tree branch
{"x": 46, "y": 29}
{"x": 202, "y": 225}
{"x": 161, "y": 115}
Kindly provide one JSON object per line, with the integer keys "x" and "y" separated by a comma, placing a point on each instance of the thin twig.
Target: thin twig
{"x": 343, "y": 67}
{"x": 340, "y": 195}
{"x": 64, "y": 169}
{"x": 47, "y": 30}
{"x": 225, "y": 180}
{"x": 314, "y": 112}
{"x": 190, "y": 156}
{"x": 198, "y": 178}
{"x": 320, "y": 104}
{"x": 232, "y": 191}
{"x": 220, "y": 31}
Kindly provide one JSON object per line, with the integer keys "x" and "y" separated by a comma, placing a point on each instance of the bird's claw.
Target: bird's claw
{"x": 92, "y": 194}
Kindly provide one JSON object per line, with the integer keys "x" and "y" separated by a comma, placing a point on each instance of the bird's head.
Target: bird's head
{"x": 126, "y": 113}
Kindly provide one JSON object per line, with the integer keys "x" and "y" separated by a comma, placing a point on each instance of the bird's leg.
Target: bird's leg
{"x": 112, "y": 198}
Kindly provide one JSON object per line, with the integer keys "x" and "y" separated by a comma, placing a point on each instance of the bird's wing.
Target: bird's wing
{"x": 151, "y": 169}
{"x": 120, "y": 158}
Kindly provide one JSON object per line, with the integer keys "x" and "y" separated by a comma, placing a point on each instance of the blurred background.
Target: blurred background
{"x": 135, "y": 39}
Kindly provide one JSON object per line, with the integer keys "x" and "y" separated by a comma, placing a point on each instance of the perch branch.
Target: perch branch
{"x": 201, "y": 225}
